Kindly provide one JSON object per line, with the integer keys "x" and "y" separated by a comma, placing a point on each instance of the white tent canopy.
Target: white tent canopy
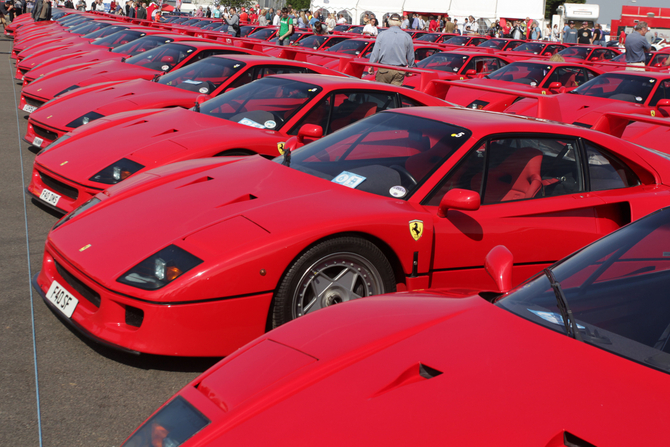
{"x": 487, "y": 9}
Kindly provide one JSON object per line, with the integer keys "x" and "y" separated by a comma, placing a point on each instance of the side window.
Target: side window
{"x": 606, "y": 171}
{"x": 318, "y": 116}
{"x": 512, "y": 45}
{"x": 466, "y": 175}
{"x": 263, "y": 71}
{"x": 409, "y": 102}
{"x": 333, "y": 41}
{"x": 662, "y": 92}
{"x": 244, "y": 78}
{"x": 552, "y": 49}
{"x": 569, "y": 77}
{"x": 516, "y": 169}
{"x": 590, "y": 74}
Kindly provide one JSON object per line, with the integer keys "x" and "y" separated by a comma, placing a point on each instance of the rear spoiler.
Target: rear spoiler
{"x": 615, "y": 123}
{"x": 547, "y": 107}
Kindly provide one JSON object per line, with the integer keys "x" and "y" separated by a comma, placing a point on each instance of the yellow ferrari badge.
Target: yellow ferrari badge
{"x": 416, "y": 229}
{"x": 280, "y": 148}
{"x": 653, "y": 113}
{"x": 544, "y": 92}
{"x": 87, "y": 246}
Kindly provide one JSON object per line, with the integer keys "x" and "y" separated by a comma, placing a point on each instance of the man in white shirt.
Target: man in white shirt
{"x": 341, "y": 20}
{"x": 277, "y": 18}
{"x": 371, "y": 28}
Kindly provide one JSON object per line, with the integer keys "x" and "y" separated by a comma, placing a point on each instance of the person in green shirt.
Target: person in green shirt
{"x": 285, "y": 27}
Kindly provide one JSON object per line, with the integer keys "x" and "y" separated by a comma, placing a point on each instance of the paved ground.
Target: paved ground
{"x": 57, "y": 389}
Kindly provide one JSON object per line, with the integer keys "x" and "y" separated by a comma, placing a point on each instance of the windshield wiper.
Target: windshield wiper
{"x": 562, "y": 303}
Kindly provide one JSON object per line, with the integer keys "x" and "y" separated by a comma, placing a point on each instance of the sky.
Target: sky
{"x": 611, "y": 9}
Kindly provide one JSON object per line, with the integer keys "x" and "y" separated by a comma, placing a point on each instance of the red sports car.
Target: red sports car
{"x": 496, "y": 91}
{"x": 207, "y": 78}
{"x": 199, "y": 257}
{"x": 145, "y": 65}
{"x": 533, "y": 49}
{"x": 457, "y": 65}
{"x": 255, "y": 118}
{"x": 576, "y": 356}
{"x": 136, "y": 42}
{"x": 579, "y": 53}
{"x": 502, "y": 44}
{"x": 624, "y": 92}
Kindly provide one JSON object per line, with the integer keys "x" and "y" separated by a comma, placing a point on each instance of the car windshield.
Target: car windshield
{"x": 89, "y": 27}
{"x": 349, "y": 47}
{"x": 356, "y": 30}
{"x": 147, "y": 43}
{"x": 428, "y": 37}
{"x": 201, "y": 24}
{"x": 190, "y": 22}
{"x": 118, "y": 38}
{"x": 616, "y": 289}
{"x": 292, "y": 38}
{"x": 388, "y": 154}
{"x": 493, "y": 43}
{"x": 312, "y": 41}
{"x": 265, "y": 104}
{"x": 456, "y": 40}
{"x": 529, "y": 47}
{"x": 163, "y": 58}
{"x": 204, "y": 76}
{"x": 211, "y": 26}
{"x": 341, "y": 28}
{"x": 576, "y": 52}
{"x": 622, "y": 87}
{"x": 262, "y": 33}
{"x": 102, "y": 32}
{"x": 521, "y": 73}
{"x": 246, "y": 30}
{"x": 172, "y": 425}
{"x": 451, "y": 62}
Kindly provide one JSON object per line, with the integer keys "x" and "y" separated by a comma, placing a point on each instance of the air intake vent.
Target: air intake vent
{"x": 571, "y": 440}
{"x": 134, "y": 316}
{"x": 415, "y": 373}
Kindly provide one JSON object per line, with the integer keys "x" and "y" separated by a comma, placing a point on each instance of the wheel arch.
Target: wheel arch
{"x": 389, "y": 253}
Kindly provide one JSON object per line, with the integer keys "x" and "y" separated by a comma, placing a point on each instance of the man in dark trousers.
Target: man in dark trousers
{"x": 233, "y": 23}
{"x": 392, "y": 47}
{"x": 636, "y": 46}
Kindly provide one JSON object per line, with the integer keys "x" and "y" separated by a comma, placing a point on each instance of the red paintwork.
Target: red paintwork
{"x": 46, "y": 88}
{"x": 123, "y": 96}
{"x": 571, "y": 108}
{"x": 357, "y": 366}
{"x": 465, "y": 93}
{"x": 546, "y": 49}
{"x": 161, "y": 136}
{"x": 244, "y": 215}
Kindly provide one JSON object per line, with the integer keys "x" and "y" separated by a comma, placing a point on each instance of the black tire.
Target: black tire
{"x": 353, "y": 260}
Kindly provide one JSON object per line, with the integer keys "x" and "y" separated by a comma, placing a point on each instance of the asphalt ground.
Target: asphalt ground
{"x": 57, "y": 388}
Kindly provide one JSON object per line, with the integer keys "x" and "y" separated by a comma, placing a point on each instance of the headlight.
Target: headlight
{"x": 116, "y": 172}
{"x": 477, "y": 105}
{"x": 173, "y": 425}
{"x": 84, "y": 119}
{"x": 72, "y": 87}
{"x": 160, "y": 269}
{"x": 94, "y": 201}
{"x": 58, "y": 141}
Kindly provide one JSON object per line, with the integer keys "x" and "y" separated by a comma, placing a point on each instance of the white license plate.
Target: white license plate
{"x": 49, "y": 197}
{"x": 62, "y": 299}
{"x": 28, "y": 108}
{"x": 38, "y": 142}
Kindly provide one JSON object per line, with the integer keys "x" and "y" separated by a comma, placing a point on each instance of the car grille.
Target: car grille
{"x": 91, "y": 295}
{"x": 23, "y": 71}
{"x": 45, "y": 133}
{"x": 33, "y": 102}
{"x": 60, "y": 187}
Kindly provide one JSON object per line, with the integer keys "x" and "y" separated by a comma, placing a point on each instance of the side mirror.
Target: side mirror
{"x": 664, "y": 105}
{"x": 658, "y": 65}
{"x": 594, "y": 59}
{"x": 498, "y": 265}
{"x": 199, "y": 100}
{"x": 459, "y": 199}
{"x": 471, "y": 72}
{"x": 309, "y": 131}
{"x": 555, "y": 85}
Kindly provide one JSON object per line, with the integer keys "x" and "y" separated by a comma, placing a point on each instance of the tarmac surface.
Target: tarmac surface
{"x": 57, "y": 388}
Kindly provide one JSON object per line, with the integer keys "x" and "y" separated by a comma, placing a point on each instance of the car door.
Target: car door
{"x": 534, "y": 201}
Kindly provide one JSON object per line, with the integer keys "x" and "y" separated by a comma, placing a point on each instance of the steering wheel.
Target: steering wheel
{"x": 406, "y": 179}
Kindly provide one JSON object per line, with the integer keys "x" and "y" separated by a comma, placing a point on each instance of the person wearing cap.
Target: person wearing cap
{"x": 393, "y": 47}
{"x": 636, "y": 47}
{"x": 585, "y": 34}
{"x": 571, "y": 34}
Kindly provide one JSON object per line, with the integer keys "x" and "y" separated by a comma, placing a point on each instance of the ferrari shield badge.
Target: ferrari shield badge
{"x": 416, "y": 229}
{"x": 280, "y": 148}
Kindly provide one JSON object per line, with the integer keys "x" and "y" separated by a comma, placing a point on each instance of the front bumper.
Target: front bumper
{"x": 71, "y": 194}
{"x": 202, "y": 328}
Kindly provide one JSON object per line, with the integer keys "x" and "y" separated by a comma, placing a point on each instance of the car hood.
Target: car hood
{"x": 125, "y": 96}
{"x": 57, "y": 51}
{"x": 207, "y": 209}
{"x": 464, "y": 96}
{"x": 77, "y": 59}
{"x": 149, "y": 140}
{"x": 113, "y": 70}
{"x": 422, "y": 370}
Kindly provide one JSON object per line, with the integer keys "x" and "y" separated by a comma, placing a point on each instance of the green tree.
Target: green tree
{"x": 551, "y": 6}
{"x": 299, "y": 4}
{"x": 235, "y": 3}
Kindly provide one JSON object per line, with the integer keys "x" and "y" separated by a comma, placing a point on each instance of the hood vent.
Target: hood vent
{"x": 200, "y": 180}
{"x": 166, "y": 132}
{"x": 415, "y": 373}
{"x": 136, "y": 123}
{"x": 242, "y": 198}
{"x": 567, "y": 439}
